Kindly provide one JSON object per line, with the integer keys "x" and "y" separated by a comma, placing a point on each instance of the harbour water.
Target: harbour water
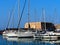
{"x": 26, "y": 41}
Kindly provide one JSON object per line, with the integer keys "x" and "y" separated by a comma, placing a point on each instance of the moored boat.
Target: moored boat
{"x": 49, "y": 36}
{"x": 25, "y": 34}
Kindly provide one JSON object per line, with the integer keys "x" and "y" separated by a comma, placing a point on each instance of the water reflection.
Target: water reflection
{"x": 21, "y": 39}
{"x": 32, "y": 41}
{"x": 28, "y": 41}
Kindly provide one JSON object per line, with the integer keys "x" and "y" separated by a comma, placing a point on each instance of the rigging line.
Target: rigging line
{"x": 13, "y": 18}
{"x": 8, "y": 20}
{"x": 10, "y": 13}
{"x": 21, "y": 14}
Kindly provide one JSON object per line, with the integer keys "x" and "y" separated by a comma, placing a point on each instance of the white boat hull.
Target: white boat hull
{"x": 12, "y": 35}
{"x": 26, "y": 34}
{"x": 9, "y": 34}
{"x": 49, "y": 36}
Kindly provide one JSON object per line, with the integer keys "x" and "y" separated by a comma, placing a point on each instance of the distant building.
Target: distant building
{"x": 40, "y": 25}
{"x": 34, "y": 25}
{"x": 57, "y": 27}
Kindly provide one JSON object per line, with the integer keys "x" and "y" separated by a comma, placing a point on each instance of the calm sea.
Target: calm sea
{"x": 26, "y": 41}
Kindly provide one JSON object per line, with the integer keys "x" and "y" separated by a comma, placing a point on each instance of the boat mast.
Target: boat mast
{"x": 10, "y": 14}
{"x": 20, "y": 17}
{"x": 13, "y": 18}
{"x": 35, "y": 12}
{"x": 43, "y": 13}
{"x": 55, "y": 17}
{"x": 18, "y": 13}
{"x": 55, "y": 13}
{"x": 28, "y": 13}
{"x": 8, "y": 19}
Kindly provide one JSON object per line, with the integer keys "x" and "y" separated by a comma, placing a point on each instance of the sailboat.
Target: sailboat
{"x": 25, "y": 33}
{"x": 20, "y": 33}
{"x": 10, "y": 32}
{"x": 48, "y": 35}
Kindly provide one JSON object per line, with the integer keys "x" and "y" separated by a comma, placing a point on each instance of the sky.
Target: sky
{"x": 6, "y": 7}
